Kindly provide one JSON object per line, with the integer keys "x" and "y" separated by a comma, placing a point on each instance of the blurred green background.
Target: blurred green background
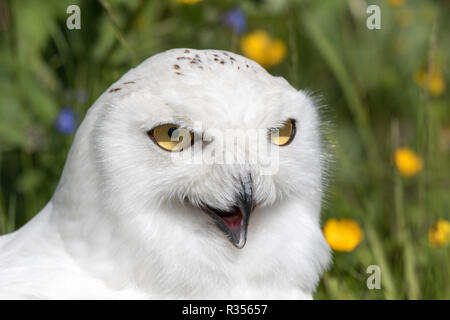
{"x": 382, "y": 90}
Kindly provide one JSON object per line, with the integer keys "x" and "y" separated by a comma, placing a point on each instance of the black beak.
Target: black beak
{"x": 234, "y": 223}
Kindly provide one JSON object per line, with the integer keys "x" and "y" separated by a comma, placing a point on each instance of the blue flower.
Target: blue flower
{"x": 66, "y": 121}
{"x": 235, "y": 19}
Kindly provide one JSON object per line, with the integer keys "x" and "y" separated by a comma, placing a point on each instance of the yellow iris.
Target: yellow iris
{"x": 171, "y": 137}
{"x": 436, "y": 83}
{"x": 342, "y": 235}
{"x": 260, "y": 47}
{"x": 439, "y": 234}
{"x": 282, "y": 136}
{"x": 408, "y": 162}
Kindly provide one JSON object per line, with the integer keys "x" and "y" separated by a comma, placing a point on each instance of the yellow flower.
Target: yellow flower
{"x": 259, "y": 46}
{"x": 396, "y": 3}
{"x": 408, "y": 162}
{"x": 342, "y": 235}
{"x": 436, "y": 83}
{"x": 189, "y": 1}
{"x": 439, "y": 234}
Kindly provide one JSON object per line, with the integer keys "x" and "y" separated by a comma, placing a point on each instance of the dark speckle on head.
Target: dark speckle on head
{"x": 206, "y": 61}
{"x": 128, "y": 82}
{"x": 115, "y": 89}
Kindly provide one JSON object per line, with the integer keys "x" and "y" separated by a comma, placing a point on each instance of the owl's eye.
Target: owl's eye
{"x": 171, "y": 137}
{"x": 284, "y": 135}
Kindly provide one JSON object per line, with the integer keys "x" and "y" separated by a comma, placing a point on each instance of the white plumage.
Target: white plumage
{"x": 125, "y": 220}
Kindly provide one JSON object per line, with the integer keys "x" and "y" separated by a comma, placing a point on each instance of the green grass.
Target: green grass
{"x": 364, "y": 77}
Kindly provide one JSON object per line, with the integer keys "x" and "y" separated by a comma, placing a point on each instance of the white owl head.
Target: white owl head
{"x": 210, "y": 95}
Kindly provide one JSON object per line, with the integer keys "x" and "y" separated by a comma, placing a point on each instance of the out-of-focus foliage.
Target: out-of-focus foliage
{"x": 383, "y": 91}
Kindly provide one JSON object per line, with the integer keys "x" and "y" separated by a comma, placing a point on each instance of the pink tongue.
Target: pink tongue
{"x": 233, "y": 222}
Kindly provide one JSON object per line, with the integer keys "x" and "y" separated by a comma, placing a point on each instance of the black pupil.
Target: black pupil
{"x": 170, "y": 131}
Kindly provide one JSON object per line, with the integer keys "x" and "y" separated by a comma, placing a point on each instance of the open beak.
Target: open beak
{"x": 234, "y": 223}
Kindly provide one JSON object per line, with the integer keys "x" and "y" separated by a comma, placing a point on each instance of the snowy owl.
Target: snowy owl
{"x": 132, "y": 219}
